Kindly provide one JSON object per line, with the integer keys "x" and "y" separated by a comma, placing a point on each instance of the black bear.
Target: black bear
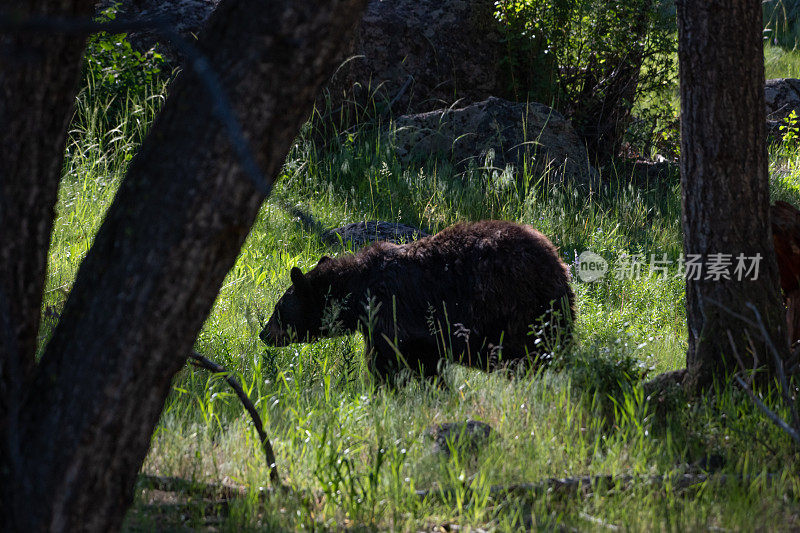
{"x": 483, "y": 294}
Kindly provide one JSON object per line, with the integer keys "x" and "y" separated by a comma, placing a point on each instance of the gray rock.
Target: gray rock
{"x": 420, "y": 55}
{"x": 187, "y": 17}
{"x": 512, "y": 132}
{"x": 359, "y": 234}
{"x": 469, "y": 436}
{"x": 782, "y": 96}
{"x": 643, "y": 172}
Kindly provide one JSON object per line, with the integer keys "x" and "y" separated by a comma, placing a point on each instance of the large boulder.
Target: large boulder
{"x": 500, "y": 133}
{"x": 419, "y": 55}
{"x": 782, "y": 96}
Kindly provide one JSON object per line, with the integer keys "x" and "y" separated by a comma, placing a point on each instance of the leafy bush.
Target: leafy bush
{"x": 115, "y": 68}
{"x": 592, "y": 59}
{"x": 790, "y": 133}
{"x": 123, "y": 90}
{"x": 609, "y": 371}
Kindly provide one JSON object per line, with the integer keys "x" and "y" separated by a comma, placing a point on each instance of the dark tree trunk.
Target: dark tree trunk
{"x": 725, "y": 186}
{"x": 38, "y": 83}
{"x": 604, "y": 107}
{"x": 157, "y": 263}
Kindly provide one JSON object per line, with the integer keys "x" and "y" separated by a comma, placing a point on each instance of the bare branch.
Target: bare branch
{"x": 203, "y": 490}
{"x": 588, "y": 484}
{"x": 770, "y": 414}
{"x": 793, "y": 432}
{"x": 779, "y": 368}
{"x": 736, "y": 355}
{"x": 202, "y": 362}
{"x": 568, "y": 485}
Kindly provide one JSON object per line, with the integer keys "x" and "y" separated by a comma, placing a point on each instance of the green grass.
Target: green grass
{"x": 780, "y": 63}
{"x": 355, "y": 453}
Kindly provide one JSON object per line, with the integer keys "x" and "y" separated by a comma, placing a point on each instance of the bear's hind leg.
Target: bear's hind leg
{"x": 381, "y": 360}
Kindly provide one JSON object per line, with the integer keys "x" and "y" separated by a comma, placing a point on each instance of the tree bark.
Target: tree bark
{"x": 38, "y": 83}
{"x": 725, "y": 187}
{"x": 172, "y": 233}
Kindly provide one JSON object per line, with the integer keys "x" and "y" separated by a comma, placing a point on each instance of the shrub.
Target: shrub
{"x": 592, "y": 59}
{"x": 115, "y": 68}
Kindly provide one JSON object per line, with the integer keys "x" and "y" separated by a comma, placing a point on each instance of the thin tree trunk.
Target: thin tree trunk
{"x": 603, "y": 107}
{"x": 725, "y": 186}
{"x": 172, "y": 233}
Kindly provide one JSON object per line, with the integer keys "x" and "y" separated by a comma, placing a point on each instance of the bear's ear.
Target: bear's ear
{"x": 301, "y": 284}
{"x": 324, "y": 259}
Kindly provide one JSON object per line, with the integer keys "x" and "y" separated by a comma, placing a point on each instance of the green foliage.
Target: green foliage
{"x": 590, "y": 57}
{"x": 116, "y": 69}
{"x": 790, "y": 131}
{"x": 781, "y": 63}
{"x": 607, "y": 371}
{"x": 785, "y": 150}
{"x": 529, "y": 63}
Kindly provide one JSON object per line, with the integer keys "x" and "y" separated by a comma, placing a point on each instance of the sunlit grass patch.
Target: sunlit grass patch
{"x": 355, "y": 454}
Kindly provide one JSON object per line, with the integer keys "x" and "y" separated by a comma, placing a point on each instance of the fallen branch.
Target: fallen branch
{"x": 779, "y": 367}
{"x": 202, "y": 362}
{"x": 593, "y": 483}
{"x": 774, "y": 418}
{"x": 193, "y": 488}
{"x": 566, "y": 486}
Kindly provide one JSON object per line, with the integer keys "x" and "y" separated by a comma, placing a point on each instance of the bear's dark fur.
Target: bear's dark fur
{"x": 482, "y": 293}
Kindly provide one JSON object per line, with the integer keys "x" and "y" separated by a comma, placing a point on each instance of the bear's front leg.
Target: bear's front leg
{"x": 381, "y": 360}
{"x": 386, "y": 361}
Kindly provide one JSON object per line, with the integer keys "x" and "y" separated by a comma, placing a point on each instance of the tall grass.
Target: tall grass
{"x": 356, "y": 453}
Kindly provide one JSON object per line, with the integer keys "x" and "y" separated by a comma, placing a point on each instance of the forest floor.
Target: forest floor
{"x": 353, "y": 454}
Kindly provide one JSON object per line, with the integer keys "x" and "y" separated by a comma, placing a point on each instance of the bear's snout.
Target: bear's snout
{"x": 273, "y": 335}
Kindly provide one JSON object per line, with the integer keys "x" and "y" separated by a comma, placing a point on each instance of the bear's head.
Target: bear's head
{"x": 298, "y": 314}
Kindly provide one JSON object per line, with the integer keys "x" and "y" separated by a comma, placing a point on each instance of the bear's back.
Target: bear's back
{"x": 493, "y": 267}
{"x": 493, "y": 244}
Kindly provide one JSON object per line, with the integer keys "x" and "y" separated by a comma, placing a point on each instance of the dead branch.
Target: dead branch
{"x": 194, "y": 488}
{"x": 202, "y": 362}
{"x": 778, "y": 421}
{"x": 586, "y": 484}
{"x": 779, "y": 368}
{"x": 564, "y": 486}
{"x": 793, "y": 432}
